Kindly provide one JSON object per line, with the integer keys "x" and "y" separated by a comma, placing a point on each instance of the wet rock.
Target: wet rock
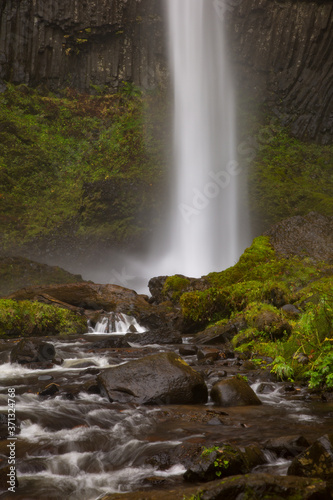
{"x": 259, "y": 486}
{"x": 316, "y": 461}
{"x": 208, "y": 353}
{"x": 266, "y": 388}
{"x": 117, "y": 341}
{"x": 32, "y": 351}
{"x": 219, "y": 334}
{"x": 188, "y": 350}
{"x": 49, "y": 390}
{"x": 91, "y": 296}
{"x": 233, "y": 392}
{"x": 274, "y": 325}
{"x": 291, "y": 311}
{"x": 223, "y": 461}
{"x": 162, "y": 378}
{"x": 255, "y": 486}
{"x": 287, "y": 446}
{"x": 160, "y": 336}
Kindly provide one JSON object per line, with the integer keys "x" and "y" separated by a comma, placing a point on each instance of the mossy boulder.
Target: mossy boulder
{"x": 223, "y": 461}
{"x": 234, "y": 391}
{"x": 26, "y": 319}
{"x": 91, "y": 296}
{"x": 316, "y": 461}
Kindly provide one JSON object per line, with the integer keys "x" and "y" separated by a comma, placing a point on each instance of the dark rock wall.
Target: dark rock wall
{"x": 81, "y": 42}
{"x": 282, "y": 50}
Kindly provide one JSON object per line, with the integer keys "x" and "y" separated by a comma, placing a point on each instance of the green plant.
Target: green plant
{"x": 282, "y": 369}
{"x": 220, "y": 460}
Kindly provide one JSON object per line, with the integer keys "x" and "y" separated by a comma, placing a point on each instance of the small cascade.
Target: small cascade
{"x": 118, "y": 323}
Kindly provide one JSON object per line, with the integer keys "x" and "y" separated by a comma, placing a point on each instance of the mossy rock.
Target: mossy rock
{"x": 26, "y": 319}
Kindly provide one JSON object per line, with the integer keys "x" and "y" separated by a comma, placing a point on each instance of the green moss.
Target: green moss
{"x": 56, "y": 150}
{"x": 25, "y": 319}
{"x": 174, "y": 287}
{"x": 289, "y": 177}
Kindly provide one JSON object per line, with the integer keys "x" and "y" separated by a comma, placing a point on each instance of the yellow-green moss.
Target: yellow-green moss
{"x": 25, "y": 319}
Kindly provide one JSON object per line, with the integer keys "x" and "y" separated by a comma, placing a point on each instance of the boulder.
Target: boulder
{"x": 219, "y": 334}
{"x": 209, "y": 353}
{"x": 271, "y": 323}
{"x": 160, "y": 336}
{"x": 91, "y": 296}
{"x": 287, "y": 446}
{"x": 32, "y": 351}
{"x": 316, "y": 461}
{"x": 188, "y": 350}
{"x": 162, "y": 378}
{"x": 234, "y": 391}
{"x": 223, "y": 461}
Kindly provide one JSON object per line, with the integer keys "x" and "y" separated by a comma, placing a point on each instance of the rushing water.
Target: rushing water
{"x": 79, "y": 446}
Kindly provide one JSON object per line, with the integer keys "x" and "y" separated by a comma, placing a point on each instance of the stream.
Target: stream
{"x": 77, "y": 445}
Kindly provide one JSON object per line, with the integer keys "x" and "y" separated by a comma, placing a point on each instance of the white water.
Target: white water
{"x": 116, "y": 323}
{"x": 203, "y": 233}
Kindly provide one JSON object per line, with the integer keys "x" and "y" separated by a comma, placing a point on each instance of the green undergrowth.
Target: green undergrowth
{"x": 26, "y": 319}
{"x": 254, "y": 290}
{"x": 58, "y": 152}
{"x": 288, "y": 177}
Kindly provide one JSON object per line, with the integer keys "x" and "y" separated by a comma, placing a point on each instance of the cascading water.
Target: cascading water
{"x": 203, "y": 233}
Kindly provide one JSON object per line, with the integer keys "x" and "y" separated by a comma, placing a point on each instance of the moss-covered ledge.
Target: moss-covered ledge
{"x": 28, "y": 319}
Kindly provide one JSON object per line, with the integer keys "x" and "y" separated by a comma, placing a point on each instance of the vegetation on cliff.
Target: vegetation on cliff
{"x": 59, "y": 152}
{"x": 253, "y": 294}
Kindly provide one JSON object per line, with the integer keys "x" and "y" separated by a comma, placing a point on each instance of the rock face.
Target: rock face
{"x": 309, "y": 236}
{"x": 17, "y": 272}
{"x": 81, "y": 44}
{"x": 162, "y": 378}
{"x": 233, "y": 392}
{"x": 281, "y": 50}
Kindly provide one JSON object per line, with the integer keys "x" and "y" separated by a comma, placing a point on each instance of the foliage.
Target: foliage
{"x": 55, "y": 150}
{"x": 174, "y": 286}
{"x": 25, "y": 318}
{"x": 220, "y": 460}
{"x": 289, "y": 177}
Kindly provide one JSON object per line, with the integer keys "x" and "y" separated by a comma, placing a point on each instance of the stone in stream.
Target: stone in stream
{"x": 223, "y": 461}
{"x": 316, "y": 461}
{"x": 255, "y": 486}
{"x": 32, "y": 351}
{"x": 162, "y": 378}
{"x": 234, "y": 391}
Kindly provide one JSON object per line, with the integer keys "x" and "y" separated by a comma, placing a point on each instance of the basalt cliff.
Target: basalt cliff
{"x": 281, "y": 50}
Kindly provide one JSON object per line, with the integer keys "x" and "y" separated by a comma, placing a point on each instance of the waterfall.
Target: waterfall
{"x": 203, "y": 226}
